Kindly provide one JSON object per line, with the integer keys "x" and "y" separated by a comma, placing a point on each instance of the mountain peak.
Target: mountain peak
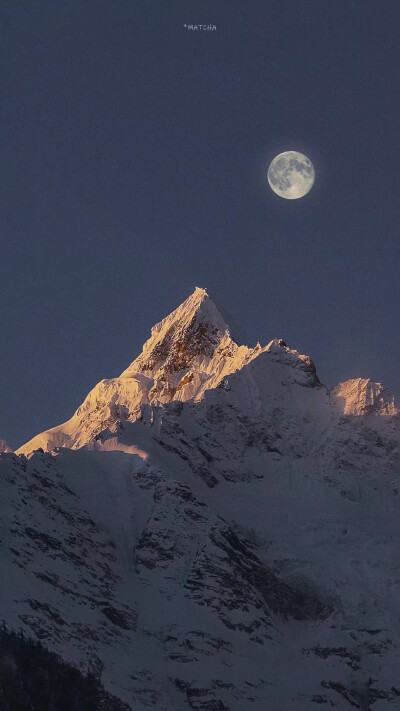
{"x": 192, "y": 332}
{"x": 199, "y": 304}
{"x": 362, "y": 396}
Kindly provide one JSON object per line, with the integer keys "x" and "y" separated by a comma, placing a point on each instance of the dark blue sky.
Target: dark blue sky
{"x": 133, "y": 168}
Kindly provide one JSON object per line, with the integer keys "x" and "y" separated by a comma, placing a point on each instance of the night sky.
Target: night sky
{"x": 133, "y": 166}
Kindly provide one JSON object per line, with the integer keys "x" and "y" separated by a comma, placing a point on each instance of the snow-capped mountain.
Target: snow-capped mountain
{"x": 214, "y": 529}
{"x": 189, "y": 352}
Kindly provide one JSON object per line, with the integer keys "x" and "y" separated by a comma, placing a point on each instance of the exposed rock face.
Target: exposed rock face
{"x": 214, "y": 529}
{"x": 190, "y": 334}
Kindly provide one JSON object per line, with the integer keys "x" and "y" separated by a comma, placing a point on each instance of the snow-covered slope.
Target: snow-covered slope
{"x": 214, "y": 529}
{"x": 188, "y": 353}
{"x": 359, "y": 396}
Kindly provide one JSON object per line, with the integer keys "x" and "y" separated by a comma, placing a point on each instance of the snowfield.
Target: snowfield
{"x": 214, "y": 529}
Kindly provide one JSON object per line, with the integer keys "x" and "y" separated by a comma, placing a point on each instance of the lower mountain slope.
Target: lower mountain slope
{"x": 33, "y": 679}
{"x": 238, "y": 563}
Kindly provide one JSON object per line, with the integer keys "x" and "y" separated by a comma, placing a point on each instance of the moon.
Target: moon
{"x": 291, "y": 175}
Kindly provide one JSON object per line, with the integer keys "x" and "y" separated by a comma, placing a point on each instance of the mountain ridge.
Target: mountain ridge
{"x": 188, "y": 352}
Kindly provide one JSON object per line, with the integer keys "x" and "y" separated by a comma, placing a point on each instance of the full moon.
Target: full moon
{"x": 291, "y": 175}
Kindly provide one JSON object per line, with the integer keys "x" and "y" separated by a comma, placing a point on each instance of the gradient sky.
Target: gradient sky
{"x": 133, "y": 167}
